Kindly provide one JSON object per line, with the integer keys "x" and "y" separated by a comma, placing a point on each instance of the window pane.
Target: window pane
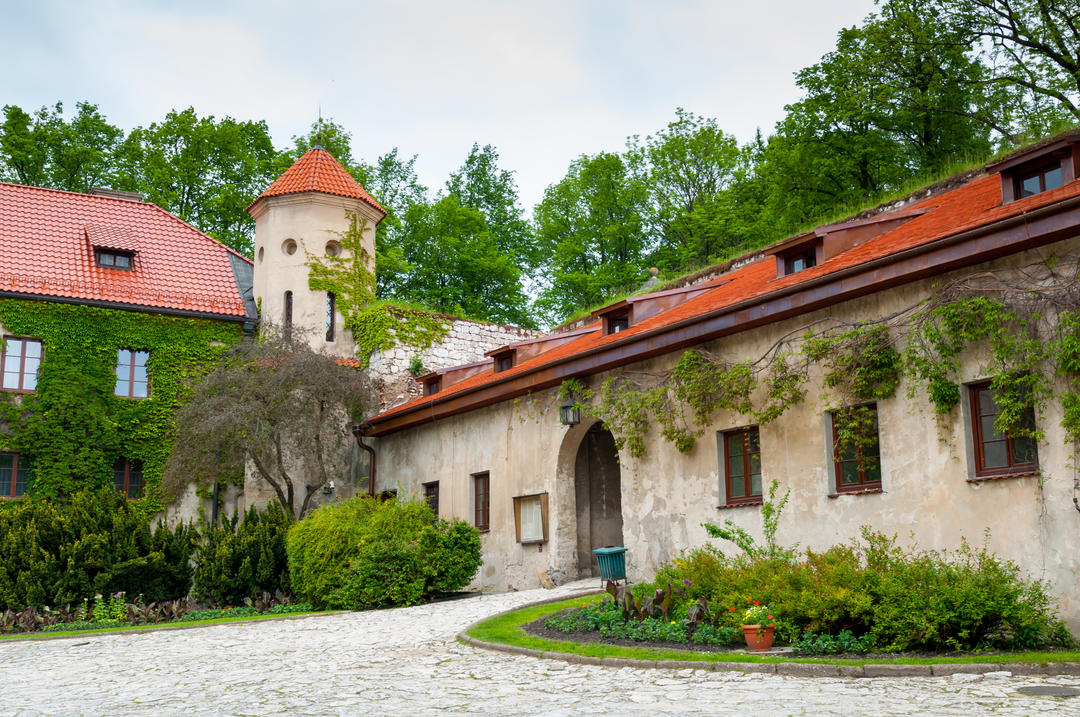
{"x": 122, "y": 388}
{"x": 32, "y": 348}
{"x": 755, "y": 464}
{"x": 994, "y": 454}
{"x": 141, "y": 357}
{"x": 734, "y": 444}
{"x": 139, "y": 373}
{"x": 872, "y": 470}
{"x": 753, "y": 440}
{"x": 123, "y": 261}
{"x": 5, "y": 474}
{"x": 135, "y": 483}
{"x": 1053, "y": 178}
{"x": 986, "y": 402}
{"x": 532, "y": 527}
{"x": 12, "y": 361}
{"x": 738, "y": 487}
{"x": 755, "y": 484}
{"x": 735, "y": 466}
{"x": 986, "y": 425}
{"x": 11, "y": 380}
{"x": 849, "y": 472}
{"x": 22, "y": 478}
{"x": 1029, "y": 186}
{"x": 1023, "y": 449}
{"x": 139, "y": 389}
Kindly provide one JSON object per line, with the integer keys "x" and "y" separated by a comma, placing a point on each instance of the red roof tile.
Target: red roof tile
{"x": 47, "y": 240}
{"x": 317, "y": 171}
{"x": 975, "y": 204}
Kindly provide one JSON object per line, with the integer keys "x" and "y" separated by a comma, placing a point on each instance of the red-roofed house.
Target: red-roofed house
{"x": 104, "y": 301}
{"x": 486, "y": 442}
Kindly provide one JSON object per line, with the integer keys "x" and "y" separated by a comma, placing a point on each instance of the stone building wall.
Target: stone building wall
{"x": 466, "y": 342}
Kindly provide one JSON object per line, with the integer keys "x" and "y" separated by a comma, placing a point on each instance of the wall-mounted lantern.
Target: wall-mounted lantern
{"x": 569, "y": 413}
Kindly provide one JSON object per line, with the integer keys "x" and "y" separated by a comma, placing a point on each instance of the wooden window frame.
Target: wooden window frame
{"x": 482, "y": 501}
{"x": 1039, "y": 171}
{"x": 432, "y": 386}
{"x": 809, "y": 254}
{"x": 504, "y": 361}
{"x": 113, "y": 255}
{"x": 331, "y": 316}
{"x": 747, "y": 498}
{"x": 15, "y": 468}
{"x": 862, "y": 485}
{"x": 124, "y": 468}
{"x": 616, "y": 323}
{"x": 131, "y": 373}
{"x": 1011, "y": 467}
{"x": 22, "y": 363}
{"x": 518, "y": 502}
{"x": 431, "y": 495}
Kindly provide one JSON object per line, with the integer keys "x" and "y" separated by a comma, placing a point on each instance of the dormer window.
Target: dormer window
{"x": 615, "y": 324}
{"x": 504, "y": 360}
{"x": 112, "y": 259}
{"x": 797, "y": 254}
{"x": 1039, "y": 169}
{"x": 432, "y": 385}
{"x": 799, "y": 261}
{"x": 1039, "y": 180}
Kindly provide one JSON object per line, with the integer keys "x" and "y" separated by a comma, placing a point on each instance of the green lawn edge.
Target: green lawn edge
{"x": 39, "y": 635}
{"x": 505, "y": 629}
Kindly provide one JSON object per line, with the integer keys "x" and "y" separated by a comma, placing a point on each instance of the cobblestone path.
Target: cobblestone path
{"x": 407, "y": 662}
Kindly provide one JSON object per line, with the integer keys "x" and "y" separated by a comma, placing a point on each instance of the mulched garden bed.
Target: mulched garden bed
{"x": 536, "y": 627}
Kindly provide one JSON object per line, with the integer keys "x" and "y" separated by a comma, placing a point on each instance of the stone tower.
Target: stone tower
{"x": 303, "y": 212}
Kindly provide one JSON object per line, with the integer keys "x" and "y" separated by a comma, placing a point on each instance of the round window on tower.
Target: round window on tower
{"x": 289, "y": 246}
{"x": 333, "y": 248}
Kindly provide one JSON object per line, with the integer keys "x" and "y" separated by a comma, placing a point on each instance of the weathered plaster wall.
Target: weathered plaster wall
{"x": 312, "y": 222}
{"x": 667, "y": 495}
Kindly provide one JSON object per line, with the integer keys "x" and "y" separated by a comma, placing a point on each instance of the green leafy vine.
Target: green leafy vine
{"x": 73, "y": 427}
{"x": 376, "y": 325}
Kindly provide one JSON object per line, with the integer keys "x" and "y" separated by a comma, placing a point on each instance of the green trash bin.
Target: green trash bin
{"x": 612, "y": 563}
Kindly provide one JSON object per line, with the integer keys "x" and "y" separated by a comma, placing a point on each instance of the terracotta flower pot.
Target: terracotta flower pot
{"x": 758, "y": 637}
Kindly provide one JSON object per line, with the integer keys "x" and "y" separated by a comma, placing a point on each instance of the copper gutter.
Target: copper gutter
{"x": 1013, "y": 234}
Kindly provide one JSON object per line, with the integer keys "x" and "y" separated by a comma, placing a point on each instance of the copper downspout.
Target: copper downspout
{"x": 358, "y": 431}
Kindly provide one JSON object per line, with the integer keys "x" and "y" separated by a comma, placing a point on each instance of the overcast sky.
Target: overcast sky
{"x": 542, "y": 81}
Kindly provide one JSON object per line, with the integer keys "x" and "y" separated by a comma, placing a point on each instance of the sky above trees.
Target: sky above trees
{"x": 542, "y": 82}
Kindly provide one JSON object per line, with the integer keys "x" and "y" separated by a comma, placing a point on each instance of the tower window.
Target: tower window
{"x": 287, "y": 318}
{"x": 331, "y": 310}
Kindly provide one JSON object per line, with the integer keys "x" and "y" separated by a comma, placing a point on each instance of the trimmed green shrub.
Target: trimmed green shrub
{"x": 243, "y": 558}
{"x": 363, "y": 553}
{"x": 892, "y": 599}
{"x": 96, "y": 543}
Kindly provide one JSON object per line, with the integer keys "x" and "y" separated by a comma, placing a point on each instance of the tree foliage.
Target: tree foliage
{"x": 273, "y": 403}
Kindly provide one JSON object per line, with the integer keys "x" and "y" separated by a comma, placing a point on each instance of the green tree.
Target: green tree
{"x": 594, "y": 220}
{"x": 449, "y": 260}
{"x": 47, "y": 150}
{"x": 203, "y": 170}
{"x": 1030, "y": 45}
{"x": 481, "y": 185}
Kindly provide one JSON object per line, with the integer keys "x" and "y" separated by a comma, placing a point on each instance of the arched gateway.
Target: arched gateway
{"x": 598, "y": 496}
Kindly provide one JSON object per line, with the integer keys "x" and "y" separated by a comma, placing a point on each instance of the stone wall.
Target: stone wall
{"x": 466, "y": 342}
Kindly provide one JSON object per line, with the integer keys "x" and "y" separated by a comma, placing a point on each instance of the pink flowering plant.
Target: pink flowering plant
{"x": 758, "y": 614}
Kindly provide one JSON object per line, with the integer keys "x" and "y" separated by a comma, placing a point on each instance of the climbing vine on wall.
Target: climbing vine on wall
{"x": 1024, "y": 324}
{"x": 73, "y": 427}
{"x": 376, "y": 325}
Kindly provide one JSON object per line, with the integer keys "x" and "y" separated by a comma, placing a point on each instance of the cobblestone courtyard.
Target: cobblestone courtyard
{"x": 407, "y": 662}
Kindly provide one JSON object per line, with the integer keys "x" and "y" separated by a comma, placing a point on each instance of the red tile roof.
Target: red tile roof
{"x": 317, "y": 171}
{"x": 975, "y": 204}
{"x": 47, "y": 240}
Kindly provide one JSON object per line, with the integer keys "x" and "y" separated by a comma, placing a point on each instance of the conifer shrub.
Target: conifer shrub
{"x": 58, "y": 553}
{"x": 243, "y": 558}
{"x": 364, "y": 553}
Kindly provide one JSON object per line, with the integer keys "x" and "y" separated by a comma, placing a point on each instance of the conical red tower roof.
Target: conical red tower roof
{"x": 317, "y": 171}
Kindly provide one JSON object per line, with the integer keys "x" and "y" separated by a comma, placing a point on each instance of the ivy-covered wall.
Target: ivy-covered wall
{"x": 73, "y": 427}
